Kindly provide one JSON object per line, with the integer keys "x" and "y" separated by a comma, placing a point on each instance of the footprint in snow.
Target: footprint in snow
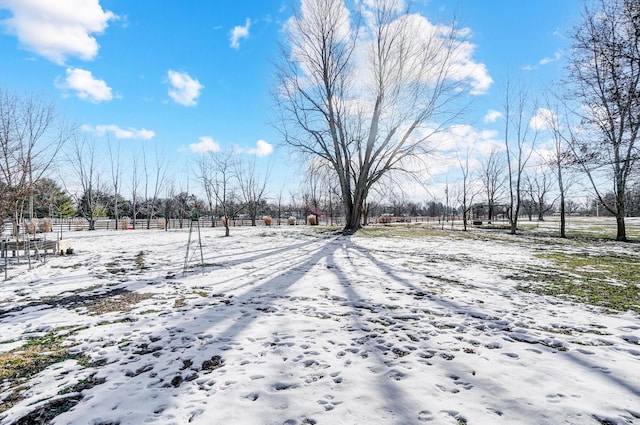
{"x": 425, "y": 416}
{"x": 252, "y": 396}
{"x": 329, "y": 403}
{"x": 447, "y": 390}
{"x": 555, "y": 398}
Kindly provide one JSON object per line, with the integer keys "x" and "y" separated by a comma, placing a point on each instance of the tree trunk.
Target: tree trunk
{"x": 353, "y": 216}
{"x": 563, "y": 219}
{"x": 226, "y": 226}
{"x": 365, "y": 214}
{"x": 621, "y": 233}
{"x": 115, "y": 210}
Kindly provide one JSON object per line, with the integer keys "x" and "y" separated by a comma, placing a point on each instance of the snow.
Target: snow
{"x": 285, "y": 325}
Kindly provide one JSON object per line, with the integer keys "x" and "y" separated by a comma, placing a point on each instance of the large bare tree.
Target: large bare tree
{"x": 605, "y": 69}
{"x": 365, "y": 88}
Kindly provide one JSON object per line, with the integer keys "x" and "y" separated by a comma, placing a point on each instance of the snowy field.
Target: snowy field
{"x": 291, "y": 325}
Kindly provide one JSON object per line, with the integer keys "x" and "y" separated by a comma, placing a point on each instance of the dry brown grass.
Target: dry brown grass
{"x": 123, "y": 302}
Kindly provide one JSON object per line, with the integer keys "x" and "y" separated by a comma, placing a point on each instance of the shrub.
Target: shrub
{"x": 46, "y": 225}
{"x": 312, "y": 220}
{"x": 291, "y": 220}
{"x": 384, "y": 219}
{"x": 124, "y": 222}
{"x": 32, "y": 226}
{"x": 78, "y": 223}
{"x": 267, "y": 220}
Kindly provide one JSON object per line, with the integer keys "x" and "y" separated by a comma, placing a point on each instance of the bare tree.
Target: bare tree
{"x": 252, "y": 186}
{"x": 169, "y": 202}
{"x": 204, "y": 173}
{"x": 519, "y": 144}
{"x": 219, "y": 175}
{"x": 279, "y": 200}
{"x": 605, "y": 69}
{"x": 156, "y": 182}
{"x": 13, "y": 176}
{"x": 492, "y": 176}
{"x": 446, "y": 211}
{"x": 135, "y": 188}
{"x": 84, "y": 161}
{"x": 560, "y": 157}
{"x": 116, "y": 177}
{"x": 468, "y": 191}
{"x": 358, "y": 93}
{"x": 31, "y": 137}
{"x": 538, "y": 186}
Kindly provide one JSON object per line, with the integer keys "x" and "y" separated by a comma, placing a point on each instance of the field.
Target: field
{"x": 401, "y": 324}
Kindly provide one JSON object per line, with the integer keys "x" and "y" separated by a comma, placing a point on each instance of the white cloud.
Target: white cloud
{"x": 239, "y": 32}
{"x": 396, "y": 5}
{"x": 454, "y": 49}
{"x": 184, "y": 89}
{"x": 120, "y": 133}
{"x": 556, "y": 57}
{"x": 544, "y": 61}
{"x": 86, "y": 86}
{"x": 206, "y": 144}
{"x": 466, "y": 69}
{"x": 543, "y": 119}
{"x": 492, "y": 116}
{"x": 262, "y": 149}
{"x": 57, "y": 29}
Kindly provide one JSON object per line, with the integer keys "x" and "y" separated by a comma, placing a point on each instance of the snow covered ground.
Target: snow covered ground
{"x": 286, "y": 325}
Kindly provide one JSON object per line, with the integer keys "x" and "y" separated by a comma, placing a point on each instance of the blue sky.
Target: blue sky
{"x": 180, "y": 76}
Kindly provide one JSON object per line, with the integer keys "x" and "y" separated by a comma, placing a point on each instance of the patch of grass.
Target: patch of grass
{"x": 409, "y": 231}
{"x": 84, "y": 384}
{"x": 608, "y": 280}
{"x": 33, "y": 357}
{"x": 21, "y": 364}
{"x": 139, "y": 261}
{"x": 180, "y": 302}
{"x": 426, "y": 230}
{"x": 326, "y": 229}
{"x": 122, "y": 302}
{"x": 67, "y": 266}
{"x": 49, "y": 411}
